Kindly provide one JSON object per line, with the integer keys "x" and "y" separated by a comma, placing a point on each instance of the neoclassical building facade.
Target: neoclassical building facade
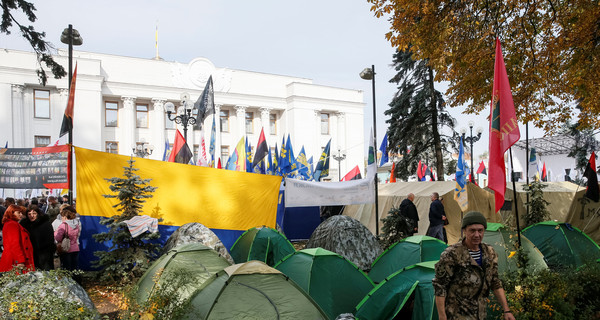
{"x": 120, "y": 102}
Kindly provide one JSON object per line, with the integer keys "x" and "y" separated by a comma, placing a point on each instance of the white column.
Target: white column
{"x": 18, "y": 120}
{"x": 265, "y": 121}
{"x": 317, "y": 142}
{"x": 127, "y": 125}
{"x": 158, "y": 128}
{"x": 240, "y": 113}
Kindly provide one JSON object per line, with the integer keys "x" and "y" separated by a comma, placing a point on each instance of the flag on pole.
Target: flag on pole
{"x": 393, "y": 173}
{"x": 419, "y": 173}
{"x": 372, "y": 158}
{"x": 544, "y": 173}
{"x": 181, "y": 152}
{"x": 283, "y": 162}
{"x": 504, "y": 128}
{"x": 322, "y": 168}
{"x": 302, "y": 164}
{"x": 211, "y": 149}
{"x": 384, "y": 150}
{"x": 275, "y": 168}
{"x": 167, "y": 153}
{"x": 353, "y": 174}
{"x": 248, "y": 146}
{"x": 262, "y": 149}
{"x": 592, "y": 192}
{"x": 67, "y": 123}
{"x": 205, "y": 104}
{"x": 424, "y": 172}
{"x": 460, "y": 191}
{"x": 481, "y": 169}
{"x": 290, "y": 152}
{"x": 219, "y": 163}
{"x": 239, "y": 156}
{"x": 533, "y": 166}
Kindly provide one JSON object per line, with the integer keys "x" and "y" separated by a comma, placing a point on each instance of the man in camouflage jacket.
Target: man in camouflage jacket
{"x": 466, "y": 272}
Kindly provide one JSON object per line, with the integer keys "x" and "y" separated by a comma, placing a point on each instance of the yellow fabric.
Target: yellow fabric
{"x": 216, "y": 198}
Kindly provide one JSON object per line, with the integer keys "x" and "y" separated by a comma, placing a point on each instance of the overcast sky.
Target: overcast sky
{"x": 329, "y": 42}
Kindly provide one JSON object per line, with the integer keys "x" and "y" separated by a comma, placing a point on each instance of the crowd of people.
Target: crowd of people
{"x": 32, "y": 231}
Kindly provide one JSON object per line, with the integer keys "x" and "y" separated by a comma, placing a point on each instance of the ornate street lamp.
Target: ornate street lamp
{"x": 369, "y": 74}
{"x": 185, "y": 115}
{"x": 471, "y": 139}
{"x": 142, "y": 149}
{"x": 71, "y": 37}
{"x": 339, "y": 158}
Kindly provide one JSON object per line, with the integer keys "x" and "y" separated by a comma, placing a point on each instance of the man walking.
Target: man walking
{"x": 437, "y": 216}
{"x": 408, "y": 209}
{"x": 466, "y": 272}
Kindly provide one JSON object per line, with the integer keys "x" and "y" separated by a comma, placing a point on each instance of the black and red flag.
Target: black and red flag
{"x": 592, "y": 192}
{"x": 262, "y": 149}
{"x": 481, "y": 169}
{"x": 181, "y": 153}
{"x": 67, "y": 123}
{"x": 354, "y": 174}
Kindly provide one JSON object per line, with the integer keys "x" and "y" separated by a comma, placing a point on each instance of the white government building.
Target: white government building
{"x": 120, "y": 102}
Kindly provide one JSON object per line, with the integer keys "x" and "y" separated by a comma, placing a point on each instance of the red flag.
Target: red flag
{"x": 181, "y": 153}
{"x": 262, "y": 149}
{"x": 481, "y": 168}
{"x": 393, "y": 173}
{"x": 544, "y": 178}
{"x": 419, "y": 173}
{"x": 219, "y": 164}
{"x": 67, "y": 123}
{"x": 354, "y": 174}
{"x": 592, "y": 191}
{"x": 504, "y": 128}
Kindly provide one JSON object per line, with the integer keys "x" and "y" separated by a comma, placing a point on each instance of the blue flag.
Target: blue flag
{"x": 283, "y": 161}
{"x": 248, "y": 156}
{"x": 460, "y": 192}
{"x": 167, "y": 152}
{"x": 322, "y": 169}
{"x": 302, "y": 164}
{"x": 211, "y": 148}
{"x": 290, "y": 153}
{"x": 384, "y": 150}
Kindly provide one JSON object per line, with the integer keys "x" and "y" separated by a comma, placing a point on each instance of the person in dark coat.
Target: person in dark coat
{"x": 437, "y": 217}
{"x": 42, "y": 237}
{"x": 409, "y": 210}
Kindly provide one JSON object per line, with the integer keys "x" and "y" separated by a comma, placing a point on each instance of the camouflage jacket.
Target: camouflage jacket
{"x": 465, "y": 284}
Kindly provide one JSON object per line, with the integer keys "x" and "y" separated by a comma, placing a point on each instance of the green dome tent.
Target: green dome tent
{"x": 262, "y": 244}
{"x": 562, "y": 245}
{"x": 195, "y": 260}
{"x": 404, "y": 253}
{"x": 394, "y": 296}
{"x": 335, "y": 283}
{"x": 251, "y": 290}
{"x": 503, "y": 240}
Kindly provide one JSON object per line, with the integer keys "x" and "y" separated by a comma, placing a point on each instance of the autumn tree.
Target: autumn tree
{"x": 417, "y": 117}
{"x": 551, "y": 51}
{"x": 40, "y": 46}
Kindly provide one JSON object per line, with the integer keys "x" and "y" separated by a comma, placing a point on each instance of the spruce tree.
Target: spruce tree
{"x": 418, "y": 117}
{"x": 538, "y": 211}
{"x": 128, "y": 257}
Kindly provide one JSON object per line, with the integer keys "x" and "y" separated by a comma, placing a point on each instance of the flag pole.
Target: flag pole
{"x": 512, "y": 177}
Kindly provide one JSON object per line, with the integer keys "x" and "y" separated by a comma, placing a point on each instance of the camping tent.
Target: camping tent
{"x": 391, "y": 194}
{"x": 194, "y": 261}
{"x": 195, "y": 232}
{"x": 559, "y": 194}
{"x": 585, "y": 215}
{"x": 348, "y": 238}
{"x": 263, "y": 244}
{"x": 503, "y": 240}
{"x": 404, "y": 253}
{"x": 335, "y": 283}
{"x": 252, "y": 290}
{"x": 393, "y": 296}
{"x": 562, "y": 244}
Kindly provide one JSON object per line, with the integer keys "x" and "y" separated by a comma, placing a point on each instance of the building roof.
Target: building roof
{"x": 560, "y": 144}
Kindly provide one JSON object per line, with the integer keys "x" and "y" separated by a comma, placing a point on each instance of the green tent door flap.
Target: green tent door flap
{"x": 262, "y": 244}
{"x": 503, "y": 240}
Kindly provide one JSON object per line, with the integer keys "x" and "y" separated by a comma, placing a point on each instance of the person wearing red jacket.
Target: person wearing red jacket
{"x": 18, "y": 251}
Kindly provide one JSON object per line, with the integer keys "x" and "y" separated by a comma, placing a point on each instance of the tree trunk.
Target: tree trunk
{"x": 437, "y": 145}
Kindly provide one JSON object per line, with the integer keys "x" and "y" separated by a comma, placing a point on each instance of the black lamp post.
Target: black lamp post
{"x": 71, "y": 37}
{"x": 185, "y": 117}
{"x": 340, "y": 156}
{"x": 369, "y": 74}
{"x": 471, "y": 139}
{"x": 142, "y": 149}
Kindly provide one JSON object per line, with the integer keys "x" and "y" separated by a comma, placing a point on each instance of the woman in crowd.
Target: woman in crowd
{"x": 71, "y": 228}
{"x": 18, "y": 251}
{"x": 42, "y": 237}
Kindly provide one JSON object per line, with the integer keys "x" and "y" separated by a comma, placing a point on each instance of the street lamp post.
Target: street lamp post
{"x": 369, "y": 74}
{"x": 471, "y": 139}
{"x": 339, "y": 158}
{"x": 142, "y": 149}
{"x": 185, "y": 117}
{"x": 71, "y": 37}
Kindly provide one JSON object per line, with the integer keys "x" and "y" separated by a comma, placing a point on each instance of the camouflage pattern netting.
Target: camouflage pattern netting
{"x": 348, "y": 238}
{"x": 197, "y": 233}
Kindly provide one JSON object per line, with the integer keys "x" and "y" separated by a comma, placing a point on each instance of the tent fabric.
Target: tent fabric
{"x": 263, "y": 244}
{"x": 503, "y": 240}
{"x": 299, "y": 222}
{"x": 197, "y": 233}
{"x": 348, "y": 238}
{"x": 191, "y": 260}
{"x": 560, "y": 195}
{"x": 222, "y": 199}
{"x": 251, "y": 290}
{"x": 335, "y": 283}
{"x": 391, "y": 296}
{"x": 585, "y": 215}
{"x": 392, "y": 194}
{"x": 562, "y": 245}
{"x": 404, "y": 253}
